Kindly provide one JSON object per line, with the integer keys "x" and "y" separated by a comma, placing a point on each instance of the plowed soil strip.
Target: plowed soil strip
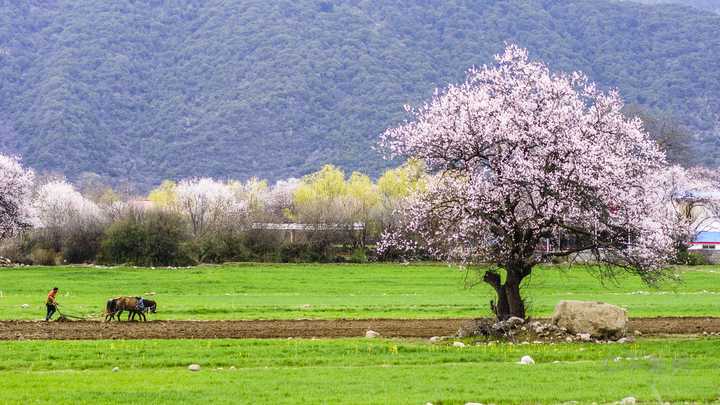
{"x": 420, "y": 328}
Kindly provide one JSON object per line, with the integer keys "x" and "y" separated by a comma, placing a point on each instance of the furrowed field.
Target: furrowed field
{"x": 354, "y": 371}
{"x": 267, "y": 291}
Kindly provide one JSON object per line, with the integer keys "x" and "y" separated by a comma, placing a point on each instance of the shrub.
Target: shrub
{"x": 82, "y": 244}
{"x": 154, "y": 238}
{"x": 223, "y": 246}
{"x": 306, "y": 252}
{"x": 264, "y": 246}
{"x": 45, "y": 257}
{"x": 359, "y": 255}
{"x": 696, "y": 259}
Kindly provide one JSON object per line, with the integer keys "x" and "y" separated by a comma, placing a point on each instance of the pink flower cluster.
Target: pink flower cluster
{"x": 520, "y": 155}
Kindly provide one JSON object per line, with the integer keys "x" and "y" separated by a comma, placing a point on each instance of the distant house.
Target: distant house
{"x": 706, "y": 241}
{"x": 293, "y": 230}
{"x": 702, "y": 209}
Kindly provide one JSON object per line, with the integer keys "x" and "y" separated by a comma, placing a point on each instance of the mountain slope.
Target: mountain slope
{"x": 710, "y": 5}
{"x": 166, "y": 89}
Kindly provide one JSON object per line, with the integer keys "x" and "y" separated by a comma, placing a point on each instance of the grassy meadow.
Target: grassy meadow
{"x": 327, "y": 291}
{"x": 356, "y": 371}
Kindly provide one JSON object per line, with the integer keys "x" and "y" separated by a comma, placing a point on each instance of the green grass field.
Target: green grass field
{"x": 355, "y": 371}
{"x": 286, "y": 291}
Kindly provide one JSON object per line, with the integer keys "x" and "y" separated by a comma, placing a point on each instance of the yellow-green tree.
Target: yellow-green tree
{"x": 363, "y": 201}
{"x": 164, "y": 196}
{"x": 394, "y": 186}
{"x": 400, "y": 182}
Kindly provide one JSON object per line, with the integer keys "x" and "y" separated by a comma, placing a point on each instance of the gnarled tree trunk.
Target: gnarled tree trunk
{"x": 509, "y": 301}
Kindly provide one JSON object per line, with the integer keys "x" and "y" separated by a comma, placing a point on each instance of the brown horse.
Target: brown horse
{"x": 134, "y": 305}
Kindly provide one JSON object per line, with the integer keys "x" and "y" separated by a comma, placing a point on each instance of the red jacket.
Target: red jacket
{"x": 51, "y": 297}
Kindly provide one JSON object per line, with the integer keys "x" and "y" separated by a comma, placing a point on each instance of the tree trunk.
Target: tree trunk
{"x": 509, "y": 300}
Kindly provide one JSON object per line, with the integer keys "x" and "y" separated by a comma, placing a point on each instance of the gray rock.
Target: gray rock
{"x": 514, "y": 321}
{"x": 598, "y": 319}
{"x": 371, "y": 334}
{"x": 458, "y": 344}
{"x": 194, "y": 367}
{"x": 628, "y": 401}
{"x": 527, "y": 360}
{"x": 115, "y": 369}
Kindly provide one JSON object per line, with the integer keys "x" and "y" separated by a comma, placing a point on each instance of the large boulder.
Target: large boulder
{"x": 599, "y": 319}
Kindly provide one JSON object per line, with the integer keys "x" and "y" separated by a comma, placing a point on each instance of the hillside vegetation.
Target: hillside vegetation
{"x": 166, "y": 89}
{"x": 712, "y": 5}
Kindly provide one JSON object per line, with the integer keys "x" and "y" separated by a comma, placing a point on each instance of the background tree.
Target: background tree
{"x": 68, "y": 222}
{"x": 165, "y": 195}
{"x": 206, "y": 203}
{"x": 362, "y": 202}
{"x": 15, "y": 190}
{"x": 520, "y": 154}
{"x": 394, "y": 186}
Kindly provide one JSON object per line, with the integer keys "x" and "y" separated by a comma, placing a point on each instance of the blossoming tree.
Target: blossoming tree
{"x": 520, "y": 155}
{"x": 15, "y": 191}
{"x": 207, "y": 203}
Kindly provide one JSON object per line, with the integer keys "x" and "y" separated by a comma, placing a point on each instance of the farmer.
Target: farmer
{"x": 51, "y": 303}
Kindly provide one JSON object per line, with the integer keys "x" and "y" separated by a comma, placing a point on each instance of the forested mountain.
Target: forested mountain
{"x": 712, "y": 5}
{"x": 146, "y": 90}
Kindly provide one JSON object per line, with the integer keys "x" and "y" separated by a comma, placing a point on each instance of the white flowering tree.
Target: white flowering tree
{"x": 280, "y": 197}
{"x": 67, "y": 221}
{"x": 207, "y": 203}
{"x": 15, "y": 191}
{"x": 520, "y": 155}
{"x": 58, "y": 205}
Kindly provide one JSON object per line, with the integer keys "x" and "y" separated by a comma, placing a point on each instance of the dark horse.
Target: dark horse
{"x": 134, "y": 305}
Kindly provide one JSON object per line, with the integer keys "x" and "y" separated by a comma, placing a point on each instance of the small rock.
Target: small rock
{"x": 371, "y": 334}
{"x": 515, "y": 321}
{"x": 435, "y": 339}
{"x": 458, "y": 344}
{"x": 585, "y": 337}
{"x": 307, "y": 306}
{"x": 568, "y": 339}
{"x": 24, "y": 306}
{"x": 115, "y": 369}
{"x": 527, "y": 360}
{"x": 637, "y": 333}
{"x": 232, "y": 368}
{"x": 194, "y": 367}
{"x": 473, "y": 403}
{"x": 628, "y": 401}
{"x": 628, "y": 339}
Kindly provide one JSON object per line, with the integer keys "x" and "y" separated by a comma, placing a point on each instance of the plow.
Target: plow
{"x": 70, "y": 317}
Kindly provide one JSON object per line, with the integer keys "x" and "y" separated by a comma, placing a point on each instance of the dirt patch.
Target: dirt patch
{"x": 420, "y": 328}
